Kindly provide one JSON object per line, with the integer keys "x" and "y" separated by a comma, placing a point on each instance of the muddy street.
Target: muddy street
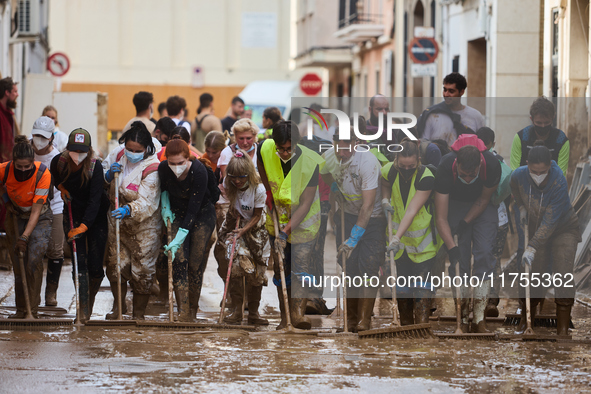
{"x": 135, "y": 359}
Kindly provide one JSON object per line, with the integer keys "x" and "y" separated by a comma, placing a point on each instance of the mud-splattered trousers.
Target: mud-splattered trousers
{"x": 33, "y": 257}
{"x": 190, "y": 261}
{"x": 369, "y": 254}
{"x": 141, "y": 232}
{"x": 219, "y": 249}
{"x": 252, "y": 246}
{"x": 317, "y": 266}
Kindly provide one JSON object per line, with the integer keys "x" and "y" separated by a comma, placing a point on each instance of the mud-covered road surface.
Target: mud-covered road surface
{"x": 95, "y": 359}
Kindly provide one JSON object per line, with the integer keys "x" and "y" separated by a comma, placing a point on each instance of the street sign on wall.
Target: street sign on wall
{"x": 423, "y": 50}
{"x": 58, "y": 64}
{"x": 423, "y": 70}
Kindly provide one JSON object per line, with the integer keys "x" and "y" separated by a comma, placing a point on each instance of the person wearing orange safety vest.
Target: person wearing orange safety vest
{"x": 27, "y": 185}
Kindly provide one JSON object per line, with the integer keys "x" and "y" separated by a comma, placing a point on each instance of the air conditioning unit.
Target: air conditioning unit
{"x": 29, "y": 18}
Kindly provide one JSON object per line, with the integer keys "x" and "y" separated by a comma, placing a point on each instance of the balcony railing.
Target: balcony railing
{"x": 365, "y": 19}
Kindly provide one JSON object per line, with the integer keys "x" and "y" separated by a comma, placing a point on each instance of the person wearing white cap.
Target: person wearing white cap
{"x": 45, "y": 151}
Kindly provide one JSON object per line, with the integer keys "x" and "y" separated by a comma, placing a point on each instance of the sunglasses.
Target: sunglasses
{"x": 282, "y": 150}
{"x": 238, "y": 176}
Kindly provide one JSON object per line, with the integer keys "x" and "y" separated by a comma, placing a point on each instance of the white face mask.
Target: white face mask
{"x": 78, "y": 157}
{"x": 280, "y": 158}
{"x": 538, "y": 179}
{"x": 178, "y": 170}
{"x": 40, "y": 142}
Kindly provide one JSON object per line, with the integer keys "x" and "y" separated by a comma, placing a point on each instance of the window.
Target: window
{"x": 455, "y": 64}
{"x": 555, "y": 49}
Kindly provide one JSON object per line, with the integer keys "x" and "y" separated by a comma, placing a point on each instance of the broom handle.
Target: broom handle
{"x": 344, "y": 263}
{"x": 21, "y": 262}
{"x": 222, "y": 312}
{"x": 395, "y": 312}
{"x": 75, "y": 268}
{"x": 528, "y": 330}
{"x": 118, "y": 238}
{"x": 170, "y": 285}
{"x": 458, "y": 300}
{"x": 281, "y": 269}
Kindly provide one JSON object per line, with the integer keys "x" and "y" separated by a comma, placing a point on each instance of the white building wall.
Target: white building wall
{"x": 159, "y": 42}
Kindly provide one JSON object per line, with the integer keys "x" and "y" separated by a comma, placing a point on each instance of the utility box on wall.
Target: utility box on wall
{"x": 87, "y": 110}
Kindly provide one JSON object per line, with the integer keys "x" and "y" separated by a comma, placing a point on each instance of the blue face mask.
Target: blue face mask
{"x": 251, "y": 148}
{"x": 134, "y": 157}
{"x": 468, "y": 183}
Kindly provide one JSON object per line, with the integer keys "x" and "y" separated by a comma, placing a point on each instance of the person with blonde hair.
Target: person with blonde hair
{"x": 245, "y": 133}
{"x": 246, "y": 196}
{"x": 60, "y": 139}
{"x": 186, "y": 204}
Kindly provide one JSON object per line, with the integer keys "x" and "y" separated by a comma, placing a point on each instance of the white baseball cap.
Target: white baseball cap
{"x": 43, "y": 126}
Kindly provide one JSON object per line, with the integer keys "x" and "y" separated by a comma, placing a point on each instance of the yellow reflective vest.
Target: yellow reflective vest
{"x": 418, "y": 239}
{"x": 287, "y": 191}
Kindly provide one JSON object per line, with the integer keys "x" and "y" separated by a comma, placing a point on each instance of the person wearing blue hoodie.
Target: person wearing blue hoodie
{"x": 541, "y": 195}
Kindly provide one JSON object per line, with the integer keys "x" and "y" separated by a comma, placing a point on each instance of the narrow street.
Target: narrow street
{"x": 156, "y": 360}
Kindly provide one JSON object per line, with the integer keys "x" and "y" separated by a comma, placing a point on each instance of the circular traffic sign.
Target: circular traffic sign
{"x": 58, "y": 64}
{"x": 423, "y": 50}
{"x": 311, "y": 84}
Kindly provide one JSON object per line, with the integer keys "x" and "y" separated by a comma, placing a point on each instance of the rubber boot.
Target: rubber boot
{"x": 113, "y": 315}
{"x": 480, "y": 302}
{"x": 491, "y": 309}
{"x": 254, "y": 301}
{"x": 183, "y": 305}
{"x": 54, "y": 269}
{"x": 523, "y": 321}
{"x": 562, "y": 319}
{"x": 365, "y": 308}
{"x": 465, "y": 309}
{"x": 352, "y": 314}
{"x": 236, "y": 290}
{"x": 298, "y": 314}
{"x": 422, "y": 306}
{"x": 140, "y": 302}
{"x": 84, "y": 293}
{"x": 94, "y": 287}
{"x": 283, "y": 322}
{"x": 405, "y": 309}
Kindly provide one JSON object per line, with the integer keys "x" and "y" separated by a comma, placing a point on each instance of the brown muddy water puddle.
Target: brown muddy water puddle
{"x": 152, "y": 360}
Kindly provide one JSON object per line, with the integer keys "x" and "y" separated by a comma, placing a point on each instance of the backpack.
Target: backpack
{"x": 465, "y": 140}
{"x": 63, "y": 161}
{"x": 504, "y": 189}
{"x": 40, "y": 173}
{"x": 198, "y": 135}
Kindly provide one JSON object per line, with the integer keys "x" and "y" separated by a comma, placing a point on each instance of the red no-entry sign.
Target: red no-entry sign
{"x": 423, "y": 50}
{"x": 311, "y": 84}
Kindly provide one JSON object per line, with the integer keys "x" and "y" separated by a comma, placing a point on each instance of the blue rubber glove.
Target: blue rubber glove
{"x": 528, "y": 257}
{"x": 281, "y": 243}
{"x": 121, "y": 212}
{"x": 347, "y": 247}
{"x": 176, "y": 243}
{"x": 110, "y": 174}
{"x": 165, "y": 208}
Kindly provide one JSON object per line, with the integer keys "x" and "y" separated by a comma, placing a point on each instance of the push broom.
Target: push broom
{"x": 177, "y": 325}
{"x": 29, "y": 322}
{"x": 119, "y": 321}
{"x": 396, "y": 330}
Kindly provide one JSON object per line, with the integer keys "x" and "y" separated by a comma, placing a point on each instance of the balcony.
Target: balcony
{"x": 325, "y": 56}
{"x": 358, "y": 27}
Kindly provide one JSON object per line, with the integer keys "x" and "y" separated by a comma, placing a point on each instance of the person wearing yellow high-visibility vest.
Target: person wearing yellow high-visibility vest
{"x": 357, "y": 176}
{"x": 290, "y": 174}
{"x": 406, "y": 190}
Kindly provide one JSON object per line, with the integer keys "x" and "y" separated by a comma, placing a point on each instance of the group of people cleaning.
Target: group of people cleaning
{"x": 237, "y": 188}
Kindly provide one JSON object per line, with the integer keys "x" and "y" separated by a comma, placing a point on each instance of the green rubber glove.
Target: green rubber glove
{"x": 165, "y": 208}
{"x": 176, "y": 243}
